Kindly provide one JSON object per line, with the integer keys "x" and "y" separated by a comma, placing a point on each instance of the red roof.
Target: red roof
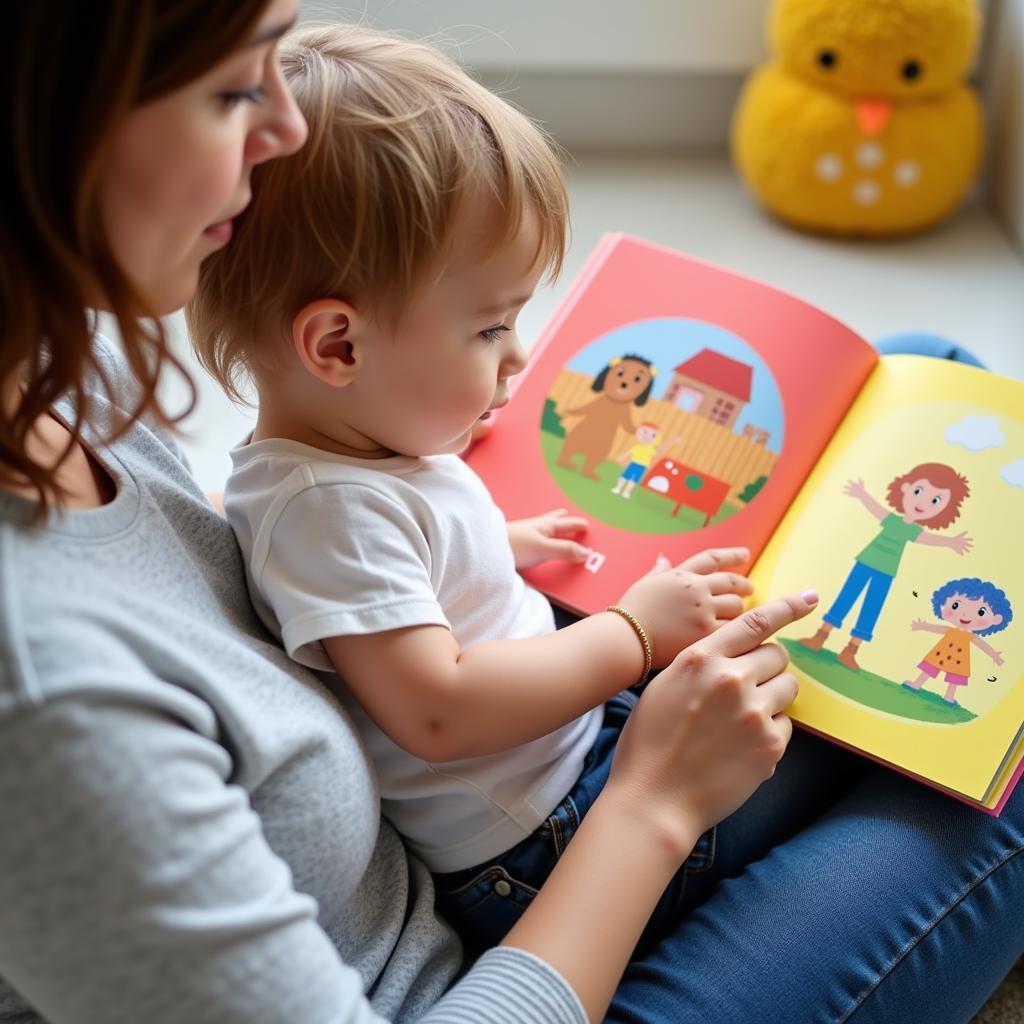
{"x": 719, "y": 372}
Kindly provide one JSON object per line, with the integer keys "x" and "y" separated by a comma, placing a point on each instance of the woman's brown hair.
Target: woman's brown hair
{"x": 69, "y": 74}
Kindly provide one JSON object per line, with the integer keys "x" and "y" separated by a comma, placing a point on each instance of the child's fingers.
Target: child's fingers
{"x": 564, "y": 525}
{"x": 715, "y": 558}
{"x": 727, "y": 606}
{"x": 566, "y": 550}
{"x": 729, "y": 583}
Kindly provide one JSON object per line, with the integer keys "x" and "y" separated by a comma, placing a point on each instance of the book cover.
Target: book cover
{"x": 680, "y": 406}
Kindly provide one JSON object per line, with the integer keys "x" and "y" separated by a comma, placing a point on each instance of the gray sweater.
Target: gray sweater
{"x": 189, "y": 828}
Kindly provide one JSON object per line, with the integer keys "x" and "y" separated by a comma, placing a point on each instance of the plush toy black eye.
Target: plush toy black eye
{"x": 911, "y": 70}
{"x": 828, "y": 59}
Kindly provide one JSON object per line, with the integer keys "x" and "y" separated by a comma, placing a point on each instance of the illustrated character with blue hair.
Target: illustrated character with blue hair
{"x": 970, "y": 609}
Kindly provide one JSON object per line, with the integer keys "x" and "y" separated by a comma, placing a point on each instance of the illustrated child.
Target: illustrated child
{"x": 371, "y": 294}
{"x": 930, "y": 495}
{"x": 971, "y": 609}
{"x": 640, "y": 456}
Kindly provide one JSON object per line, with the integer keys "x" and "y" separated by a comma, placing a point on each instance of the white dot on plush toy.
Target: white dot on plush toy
{"x": 866, "y": 192}
{"x": 870, "y": 155}
{"x": 906, "y": 173}
{"x": 828, "y": 167}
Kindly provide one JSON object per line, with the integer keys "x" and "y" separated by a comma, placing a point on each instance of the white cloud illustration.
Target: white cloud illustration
{"x": 1013, "y": 473}
{"x": 975, "y": 433}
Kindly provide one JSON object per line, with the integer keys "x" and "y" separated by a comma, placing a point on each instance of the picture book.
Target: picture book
{"x": 680, "y": 406}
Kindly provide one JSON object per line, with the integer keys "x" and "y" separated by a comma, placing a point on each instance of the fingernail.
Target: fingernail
{"x": 743, "y": 552}
{"x": 810, "y": 596}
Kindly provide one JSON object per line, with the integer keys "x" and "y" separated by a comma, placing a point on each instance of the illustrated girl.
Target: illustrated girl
{"x": 925, "y": 499}
{"x": 638, "y": 457}
{"x": 970, "y": 609}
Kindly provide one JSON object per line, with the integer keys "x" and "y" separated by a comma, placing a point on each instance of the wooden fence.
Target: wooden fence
{"x": 709, "y": 447}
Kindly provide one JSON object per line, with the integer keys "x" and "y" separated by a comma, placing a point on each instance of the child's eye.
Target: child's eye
{"x": 917, "y": 490}
{"x": 257, "y": 94}
{"x": 981, "y": 612}
{"x": 955, "y": 605}
{"x": 492, "y": 334}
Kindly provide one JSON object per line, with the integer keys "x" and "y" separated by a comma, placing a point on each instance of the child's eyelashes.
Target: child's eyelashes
{"x": 492, "y": 334}
{"x": 257, "y": 94}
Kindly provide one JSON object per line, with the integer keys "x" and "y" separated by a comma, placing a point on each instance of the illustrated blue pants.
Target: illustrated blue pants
{"x": 861, "y": 577}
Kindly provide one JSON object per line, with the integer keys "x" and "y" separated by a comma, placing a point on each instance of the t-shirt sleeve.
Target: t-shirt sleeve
{"x": 340, "y": 560}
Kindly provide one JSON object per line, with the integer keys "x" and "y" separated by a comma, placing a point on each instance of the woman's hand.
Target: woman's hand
{"x": 705, "y": 734}
{"x": 547, "y": 536}
{"x": 679, "y": 605}
{"x": 710, "y": 728}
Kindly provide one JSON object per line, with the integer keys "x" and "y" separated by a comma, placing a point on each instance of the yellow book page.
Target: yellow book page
{"x": 912, "y": 412}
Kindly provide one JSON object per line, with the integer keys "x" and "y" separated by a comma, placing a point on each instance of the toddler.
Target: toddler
{"x": 970, "y": 609}
{"x": 371, "y": 296}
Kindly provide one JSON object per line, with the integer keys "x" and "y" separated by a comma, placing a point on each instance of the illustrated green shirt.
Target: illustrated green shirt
{"x": 885, "y": 551}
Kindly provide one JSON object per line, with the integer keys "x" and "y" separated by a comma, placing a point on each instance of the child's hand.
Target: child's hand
{"x": 680, "y": 605}
{"x": 918, "y": 624}
{"x": 545, "y": 537}
{"x": 997, "y": 657}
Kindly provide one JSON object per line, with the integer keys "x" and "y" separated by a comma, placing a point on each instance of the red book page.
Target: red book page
{"x": 676, "y": 405}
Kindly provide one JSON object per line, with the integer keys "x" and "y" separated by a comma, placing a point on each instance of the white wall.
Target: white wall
{"x": 1004, "y": 98}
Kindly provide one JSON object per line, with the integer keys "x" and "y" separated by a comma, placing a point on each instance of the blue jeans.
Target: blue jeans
{"x": 485, "y": 901}
{"x": 861, "y": 577}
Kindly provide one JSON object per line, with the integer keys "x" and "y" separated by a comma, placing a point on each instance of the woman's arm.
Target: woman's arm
{"x": 707, "y": 731}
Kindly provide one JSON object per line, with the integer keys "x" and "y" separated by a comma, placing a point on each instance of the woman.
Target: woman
{"x": 190, "y": 830}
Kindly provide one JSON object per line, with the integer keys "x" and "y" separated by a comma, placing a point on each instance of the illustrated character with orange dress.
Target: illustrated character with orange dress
{"x": 970, "y": 609}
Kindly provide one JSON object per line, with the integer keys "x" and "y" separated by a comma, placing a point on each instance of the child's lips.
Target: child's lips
{"x": 965, "y": 622}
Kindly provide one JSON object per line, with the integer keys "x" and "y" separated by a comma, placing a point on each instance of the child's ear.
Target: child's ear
{"x": 326, "y": 337}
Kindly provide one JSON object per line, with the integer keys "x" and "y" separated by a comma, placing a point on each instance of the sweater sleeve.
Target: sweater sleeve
{"x": 136, "y": 884}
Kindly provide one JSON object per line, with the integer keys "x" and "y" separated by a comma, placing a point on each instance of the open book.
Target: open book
{"x": 680, "y": 406}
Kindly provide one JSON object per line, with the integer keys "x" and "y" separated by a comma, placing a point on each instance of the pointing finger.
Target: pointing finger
{"x": 756, "y": 626}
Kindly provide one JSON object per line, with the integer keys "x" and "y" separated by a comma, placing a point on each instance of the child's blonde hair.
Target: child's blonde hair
{"x": 399, "y": 136}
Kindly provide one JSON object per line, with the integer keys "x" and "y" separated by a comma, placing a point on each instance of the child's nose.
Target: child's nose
{"x": 516, "y": 358}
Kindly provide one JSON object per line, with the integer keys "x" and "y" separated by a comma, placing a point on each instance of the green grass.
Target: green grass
{"x": 644, "y": 512}
{"x": 873, "y": 690}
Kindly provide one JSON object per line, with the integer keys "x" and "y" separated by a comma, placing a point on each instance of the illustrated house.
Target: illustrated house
{"x": 711, "y": 385}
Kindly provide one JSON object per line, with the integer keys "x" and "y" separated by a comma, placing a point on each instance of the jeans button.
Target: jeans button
{"x": 502, "y": 888}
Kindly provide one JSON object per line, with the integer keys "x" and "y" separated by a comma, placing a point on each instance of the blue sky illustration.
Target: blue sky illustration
{"x": 671, "y": 340}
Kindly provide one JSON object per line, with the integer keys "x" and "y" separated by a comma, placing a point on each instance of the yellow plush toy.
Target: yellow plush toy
{"x": 863, "y": 123}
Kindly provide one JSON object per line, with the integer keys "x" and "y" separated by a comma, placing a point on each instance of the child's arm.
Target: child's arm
{"x": 961, "y": 543}
{"x": 442, "y": 704}
{"x": 995, "y": 655}
{"x": 920, "y": 624}
{"x": 547, "y": 536}
{"x": 856, "y": 489}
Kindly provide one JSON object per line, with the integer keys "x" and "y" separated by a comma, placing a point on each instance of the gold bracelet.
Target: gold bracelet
{"x": 641, "y": 636}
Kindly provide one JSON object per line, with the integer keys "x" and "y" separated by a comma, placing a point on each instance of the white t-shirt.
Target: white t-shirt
{"x": 335, "y": 546}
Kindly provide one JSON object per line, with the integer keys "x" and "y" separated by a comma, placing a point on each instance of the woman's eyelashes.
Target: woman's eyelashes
{"x": 491, "y": 334}
{"x": 257, "y": 94}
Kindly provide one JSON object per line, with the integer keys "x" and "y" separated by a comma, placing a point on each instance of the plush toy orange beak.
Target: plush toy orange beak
{"x": 872, "y": 116}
